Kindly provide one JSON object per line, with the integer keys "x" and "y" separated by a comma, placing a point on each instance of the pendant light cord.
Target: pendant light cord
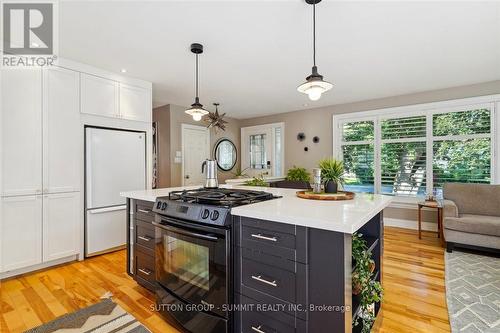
{"x": 314, "y": 33}
{"x": 197, "y": 75}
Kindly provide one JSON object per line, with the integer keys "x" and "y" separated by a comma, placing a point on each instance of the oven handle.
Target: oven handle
{"x": 185, "y": 232}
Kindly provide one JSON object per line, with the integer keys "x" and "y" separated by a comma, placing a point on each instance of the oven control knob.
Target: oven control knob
{"x": 205, "y": 214}
{"x": 158, "y": 205}
{"x": 215, "y": 215}
{"x": 163, "y": 206}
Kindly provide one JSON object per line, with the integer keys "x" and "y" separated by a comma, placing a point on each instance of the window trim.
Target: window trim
{"x": 492, "y": 102}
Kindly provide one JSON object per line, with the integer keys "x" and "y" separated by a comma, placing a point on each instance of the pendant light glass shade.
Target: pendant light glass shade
{"x": 196, "y": 110}
{"x": 314, "y": 85}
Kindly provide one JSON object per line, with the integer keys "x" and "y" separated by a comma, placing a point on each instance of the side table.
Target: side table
{"x": 436, "y": 205}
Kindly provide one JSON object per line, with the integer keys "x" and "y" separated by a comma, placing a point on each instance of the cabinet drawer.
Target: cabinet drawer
{"x": 271, "y": 280}
{"x": 282, "y": 240}
{"x": 144, "y": 210}
{"x": 257, "y": 319}
{"x": 145, "y": 234}
{"x": 144, "y": 265}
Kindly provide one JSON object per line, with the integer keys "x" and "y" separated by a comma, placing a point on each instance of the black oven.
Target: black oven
{"x": 193, "y": 262}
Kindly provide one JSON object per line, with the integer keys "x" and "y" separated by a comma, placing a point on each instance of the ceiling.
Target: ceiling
{"x": 258, "y": 52}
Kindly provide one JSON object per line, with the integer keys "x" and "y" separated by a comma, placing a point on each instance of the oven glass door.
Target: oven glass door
{"x": 192, "y": 264}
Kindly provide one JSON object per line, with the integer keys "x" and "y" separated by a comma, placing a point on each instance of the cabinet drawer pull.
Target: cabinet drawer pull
{"x": 147, "y": 239}
{"x": 260, "y": 279}
{"x": 145, "y": 271}
{"x": 258, "y": 329}
{"x": 143, "y": 211}
{"x": 260, "y": 236}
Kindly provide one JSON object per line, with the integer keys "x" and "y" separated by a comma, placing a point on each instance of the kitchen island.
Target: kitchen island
{"x": 290, "y": 257}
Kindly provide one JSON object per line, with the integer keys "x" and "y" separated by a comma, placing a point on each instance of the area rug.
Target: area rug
{"x": 473, "y": 292}
{"x": 103, "y": 317}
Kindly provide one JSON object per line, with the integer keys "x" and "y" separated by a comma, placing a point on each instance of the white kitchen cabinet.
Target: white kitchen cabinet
{"x": 21, "y": 132}
{"x": 62, "y": 132}
{"x": 61, "y": 223}
{"x": 21, "y": 232}
{"x": 99, "y": 96}
{"x": 135, "y": 103}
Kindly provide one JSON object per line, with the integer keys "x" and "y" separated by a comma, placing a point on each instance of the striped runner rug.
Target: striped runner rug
{"x": 103, "y": 317}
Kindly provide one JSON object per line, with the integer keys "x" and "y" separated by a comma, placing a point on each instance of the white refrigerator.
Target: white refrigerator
{"x": 115, "y": 161}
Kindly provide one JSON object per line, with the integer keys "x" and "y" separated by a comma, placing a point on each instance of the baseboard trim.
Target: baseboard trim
{"x": 409, "y": 224}
{"x": 33, "y": 268}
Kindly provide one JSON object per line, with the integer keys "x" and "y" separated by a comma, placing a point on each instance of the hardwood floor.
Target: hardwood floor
{"x": 413, "y": 278}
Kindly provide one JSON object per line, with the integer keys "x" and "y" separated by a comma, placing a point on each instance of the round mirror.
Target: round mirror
{"x": 225, "y": 153}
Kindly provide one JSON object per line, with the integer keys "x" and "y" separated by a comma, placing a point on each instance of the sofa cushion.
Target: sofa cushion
{"x": 479, "y": 199}
{"x": 476, "y": 224}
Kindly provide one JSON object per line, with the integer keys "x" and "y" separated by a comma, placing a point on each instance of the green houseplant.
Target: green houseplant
{"x": 332, "y": 174}
{"x": 297, "y": 174}
{"x": 363, "y": 283}
{"x": 256, "y": 181}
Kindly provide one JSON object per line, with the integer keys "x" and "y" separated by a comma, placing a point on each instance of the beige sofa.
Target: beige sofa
{"x": 471, "y": 215}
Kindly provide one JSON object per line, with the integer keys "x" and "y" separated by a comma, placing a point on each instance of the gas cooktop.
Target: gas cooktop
{"x": 207, "y": 205}
{"x": 220, "y": 196}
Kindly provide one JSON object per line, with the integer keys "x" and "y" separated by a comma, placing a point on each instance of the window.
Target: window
{"x": 403, "y": 156}
{"x": 258, "y": 159}
{"x": 415, "y": 152}
{"x": 357, "y": 153}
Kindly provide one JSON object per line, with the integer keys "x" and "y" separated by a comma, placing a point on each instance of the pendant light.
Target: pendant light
{"x": 196, "y": 110}
{"x": 314, "y": 85}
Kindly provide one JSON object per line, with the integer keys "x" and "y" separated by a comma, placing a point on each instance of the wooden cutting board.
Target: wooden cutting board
{"x": 340, "y": 195}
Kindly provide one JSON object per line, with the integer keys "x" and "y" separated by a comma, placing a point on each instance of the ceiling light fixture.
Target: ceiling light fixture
{"x": 314, "y": 85}
{"x": 123, "y": 70}
{"x": 196, "y": 110}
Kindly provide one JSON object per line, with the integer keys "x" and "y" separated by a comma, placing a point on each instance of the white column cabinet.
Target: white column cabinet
{"x": 99, "y": 96}
{"x": 21, "y": 231}
{"x": 135, "y": 103}
{"x": 61, "y": 223}
{"x": 62, "y": 133}
{"x": 21, "y": 131}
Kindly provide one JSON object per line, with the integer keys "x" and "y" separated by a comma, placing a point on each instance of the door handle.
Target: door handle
{"x": 258, "y": 329}
{"x": 145, "y": 271}
{"x": 143, "y": 211}
{"x": 147, "y": 239}
{"x": 260, "y": 236}
{"x": 187, "y": 177}
{"x": 260, "y": 279}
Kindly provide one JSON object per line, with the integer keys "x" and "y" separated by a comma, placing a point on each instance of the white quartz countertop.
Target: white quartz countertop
{"x": 341, "y": 216}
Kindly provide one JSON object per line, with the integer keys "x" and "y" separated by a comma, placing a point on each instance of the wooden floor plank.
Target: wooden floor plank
{"x": 413, "y": 279}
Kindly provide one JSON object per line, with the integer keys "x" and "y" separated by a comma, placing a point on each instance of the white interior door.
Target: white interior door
{"x": 257, "y": 150}
{"x": 195, "y": 149}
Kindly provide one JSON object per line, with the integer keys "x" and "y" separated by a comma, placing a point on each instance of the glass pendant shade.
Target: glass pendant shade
{"x": 196, "y": 110}
{"x": 314, "y": 85}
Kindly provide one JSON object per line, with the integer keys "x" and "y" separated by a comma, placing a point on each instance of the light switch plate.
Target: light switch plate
{"x": 178, "y": 160}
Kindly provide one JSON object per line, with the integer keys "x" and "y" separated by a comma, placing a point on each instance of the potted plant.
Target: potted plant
{"x": 363, "y": 283}
{"x": 296, "y": 177}
{"x": 332, "y": 174}
{"x": 256, "y": 181}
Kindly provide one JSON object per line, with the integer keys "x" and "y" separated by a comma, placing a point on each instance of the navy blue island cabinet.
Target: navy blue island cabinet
{"x": 295, "y": 279}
